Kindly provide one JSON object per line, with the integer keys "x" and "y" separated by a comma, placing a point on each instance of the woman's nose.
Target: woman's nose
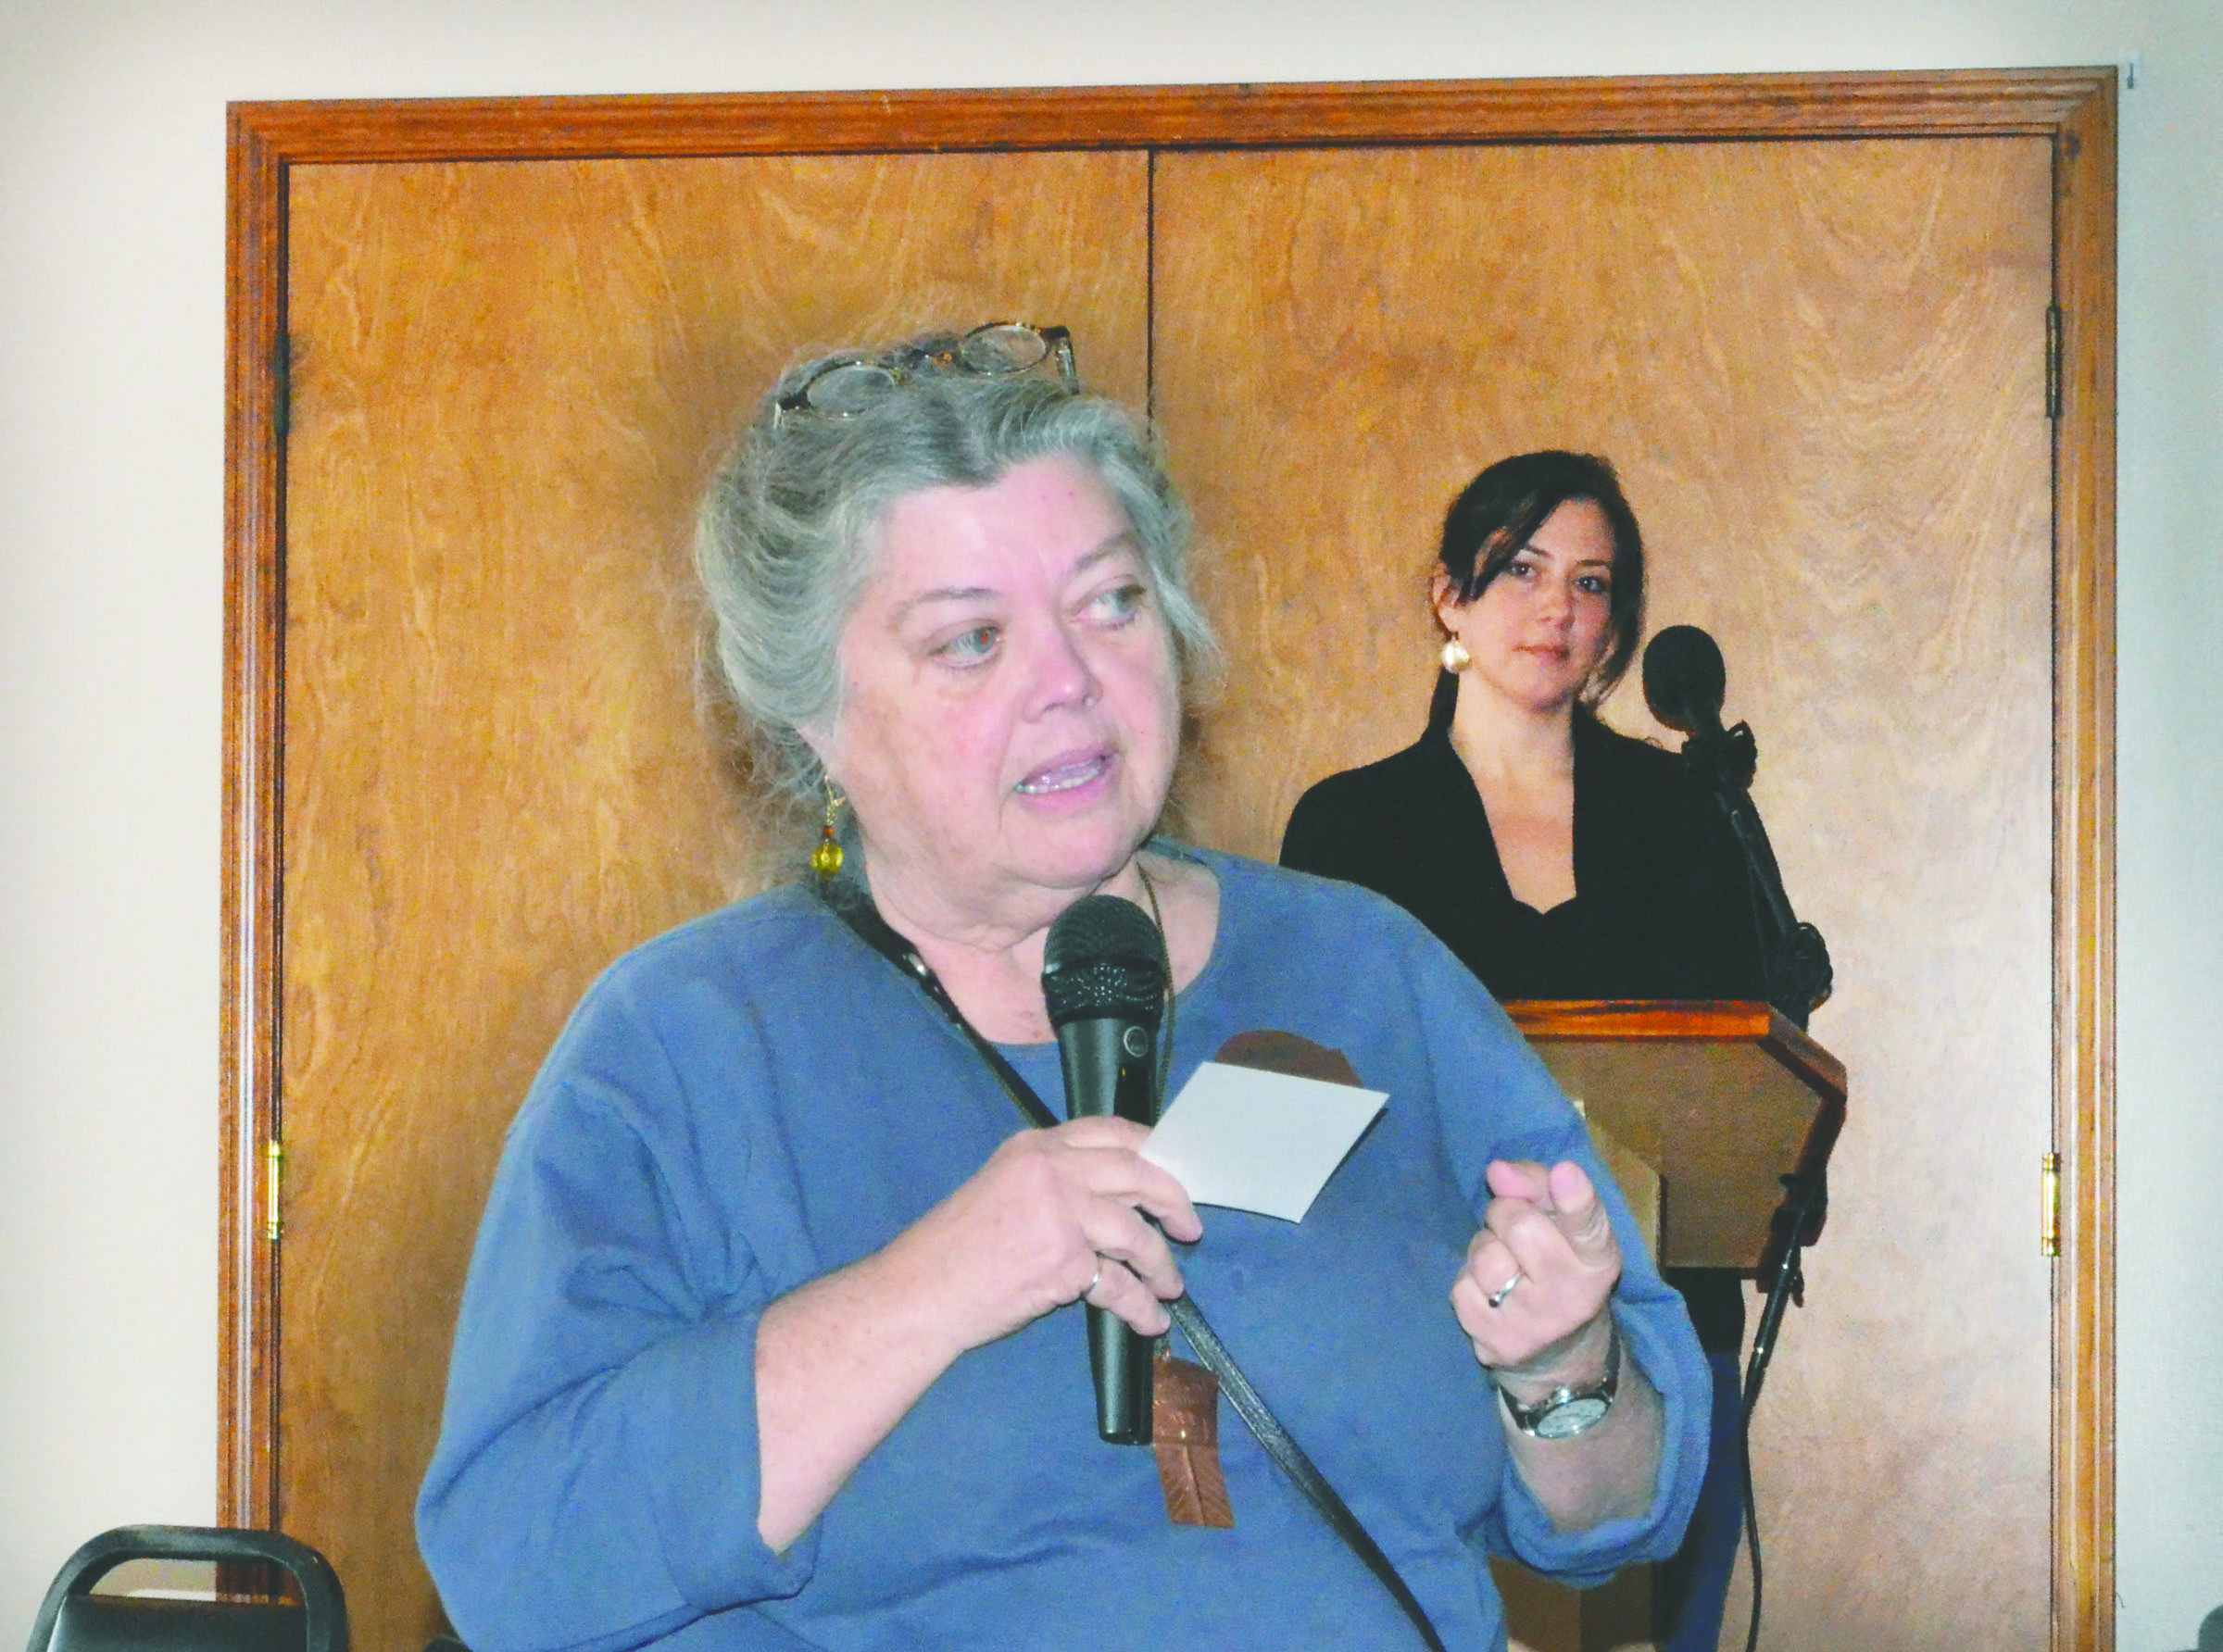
{"x": 1557, "y": 600}
{"x": 1061, "y": 674}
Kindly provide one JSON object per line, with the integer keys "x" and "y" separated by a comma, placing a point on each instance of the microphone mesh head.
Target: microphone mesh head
{"x": 1684, "y": 679}
{"x": 1103, "y": 958}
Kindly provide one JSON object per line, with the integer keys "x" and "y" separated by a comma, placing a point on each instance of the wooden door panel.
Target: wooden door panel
{"x": 1820, "y": 368}
{"x": 510, "y": 382}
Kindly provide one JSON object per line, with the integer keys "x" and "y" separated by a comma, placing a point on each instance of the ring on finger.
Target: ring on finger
{"x": 1096, "y": 1278}
{"x": 1497, "y": 1297}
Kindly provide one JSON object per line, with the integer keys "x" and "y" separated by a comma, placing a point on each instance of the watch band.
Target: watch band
{"x": 1567, "y": 1412}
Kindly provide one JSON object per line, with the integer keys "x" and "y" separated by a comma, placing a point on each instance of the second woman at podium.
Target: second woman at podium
{"x": 1555, "y": 858}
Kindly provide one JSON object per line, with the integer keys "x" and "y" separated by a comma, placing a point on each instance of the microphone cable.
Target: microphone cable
{"x": 1800, "y": 1193}
{"x": 1751, "y": 1523}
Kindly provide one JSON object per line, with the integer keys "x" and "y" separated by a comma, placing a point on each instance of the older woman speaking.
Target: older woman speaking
{"x": 772, "y": 1336}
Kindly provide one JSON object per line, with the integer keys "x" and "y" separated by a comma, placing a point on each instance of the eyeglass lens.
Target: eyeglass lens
{"x": 1002, "y": 347}
{"x": 848, "y": 387}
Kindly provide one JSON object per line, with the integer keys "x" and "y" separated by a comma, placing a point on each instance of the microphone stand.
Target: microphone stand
{"x": 1804, "y": 1198}
{"x": 1684, "y": 681}
{"x": 1795, "y": 958}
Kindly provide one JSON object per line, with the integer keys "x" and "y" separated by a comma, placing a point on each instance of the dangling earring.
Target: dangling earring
{"x": 825, "y": 860}
{"x": 1455, "y": 657}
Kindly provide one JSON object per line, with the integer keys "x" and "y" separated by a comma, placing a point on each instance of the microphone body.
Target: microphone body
{"x": 1103, "y": 982}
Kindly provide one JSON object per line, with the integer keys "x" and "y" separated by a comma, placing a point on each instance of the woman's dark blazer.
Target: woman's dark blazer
{"x": 1663, "y": 903}
{"x": 1663, "y": 906}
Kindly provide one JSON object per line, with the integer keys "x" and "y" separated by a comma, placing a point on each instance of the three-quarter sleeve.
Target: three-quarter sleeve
{"x": 1497, "y": 1100}
{"x": 596, "y": 1483}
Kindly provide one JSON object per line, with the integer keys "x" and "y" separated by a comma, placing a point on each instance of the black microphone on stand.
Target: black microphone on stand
{"x": 1684, "y": 683}
{"x": 1686, "y": 679}
{"x": 1103, "y": 982}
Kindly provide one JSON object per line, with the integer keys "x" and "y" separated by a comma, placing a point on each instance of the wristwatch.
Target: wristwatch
{"x": 1565, "y": 1412}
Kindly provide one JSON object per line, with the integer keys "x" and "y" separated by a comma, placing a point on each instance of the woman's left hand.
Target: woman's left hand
{"x": 1546, "y": 1257}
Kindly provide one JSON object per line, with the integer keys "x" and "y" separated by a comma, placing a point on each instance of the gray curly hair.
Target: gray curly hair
{"x": 785, "y": 541}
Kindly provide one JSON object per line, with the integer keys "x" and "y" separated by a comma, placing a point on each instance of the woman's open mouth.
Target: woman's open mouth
{"x": 1065, "y": 775}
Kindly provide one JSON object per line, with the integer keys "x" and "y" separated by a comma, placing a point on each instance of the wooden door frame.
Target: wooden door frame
{"x": 2075, "y": 110}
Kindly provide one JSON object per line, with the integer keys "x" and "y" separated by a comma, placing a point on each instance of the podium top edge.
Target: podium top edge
{"x": 1729, "y": 1020}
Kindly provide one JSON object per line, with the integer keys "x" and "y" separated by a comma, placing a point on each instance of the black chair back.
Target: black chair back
{"x": 73, "y": 1619}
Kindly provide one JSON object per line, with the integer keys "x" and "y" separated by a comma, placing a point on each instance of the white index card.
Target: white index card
{"x": 1263, "y": 1142}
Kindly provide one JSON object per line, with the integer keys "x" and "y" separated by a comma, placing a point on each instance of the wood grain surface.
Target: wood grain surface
{"x": 2084, "y": 814}
{"x": 249, "y": 1080}
{"x": 1714, "y": 1102}
{"x": 509, "y": 386}
{"x": 1821, "y": 370}
{"x": 1542, "y": 109}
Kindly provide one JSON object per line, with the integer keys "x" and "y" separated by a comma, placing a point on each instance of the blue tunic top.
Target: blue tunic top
{"x": 758, "y": 1098}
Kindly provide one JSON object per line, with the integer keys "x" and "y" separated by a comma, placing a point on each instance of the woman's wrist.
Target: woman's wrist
{"x": 1578, "y": 1361}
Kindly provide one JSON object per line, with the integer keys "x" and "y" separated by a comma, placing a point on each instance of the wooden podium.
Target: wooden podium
{"x": 1698, "y": 1110}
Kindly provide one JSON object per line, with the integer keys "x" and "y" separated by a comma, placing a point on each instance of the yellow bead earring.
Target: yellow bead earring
{"x": 825, "y": 860}
{"x": 1455, "y": 657}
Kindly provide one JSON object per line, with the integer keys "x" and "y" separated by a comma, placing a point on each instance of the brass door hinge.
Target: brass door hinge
{"x": 273, "y": 1175}
{"x": 2048, "y": 1205}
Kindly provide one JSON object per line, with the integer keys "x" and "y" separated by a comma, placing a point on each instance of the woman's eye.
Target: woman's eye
{"x": 1597, "y": 585}
{"x": 970, "y": 647}
{"x": 1120, "y": 603}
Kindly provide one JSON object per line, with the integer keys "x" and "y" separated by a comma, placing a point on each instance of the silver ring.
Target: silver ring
{"x": 1096, "y": 1278}
{"x": 1497, "y": 1297}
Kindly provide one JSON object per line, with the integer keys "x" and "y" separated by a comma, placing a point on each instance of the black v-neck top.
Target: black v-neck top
{"x": 1662, "y": 906}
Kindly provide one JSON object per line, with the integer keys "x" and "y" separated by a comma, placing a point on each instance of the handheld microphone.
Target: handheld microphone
{"x": 1103, "y": 982}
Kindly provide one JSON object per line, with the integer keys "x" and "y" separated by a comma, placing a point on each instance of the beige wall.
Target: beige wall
{"x": 111, "y": 319}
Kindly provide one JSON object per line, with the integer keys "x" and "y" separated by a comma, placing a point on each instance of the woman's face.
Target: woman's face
{"x": 1011, "y": 713}
{"x": 1539, "y": 630}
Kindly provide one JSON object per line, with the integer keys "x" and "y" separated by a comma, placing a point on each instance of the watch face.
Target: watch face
{"x": 1565, "y": 1421}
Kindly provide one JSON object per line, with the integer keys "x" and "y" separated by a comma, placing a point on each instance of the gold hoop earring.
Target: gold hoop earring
{"x": 1455, "y": 657}
{"x": 825, "y": 860}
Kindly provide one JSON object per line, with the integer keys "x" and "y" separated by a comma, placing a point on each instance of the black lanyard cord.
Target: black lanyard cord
{"x": 855, "y": 908}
